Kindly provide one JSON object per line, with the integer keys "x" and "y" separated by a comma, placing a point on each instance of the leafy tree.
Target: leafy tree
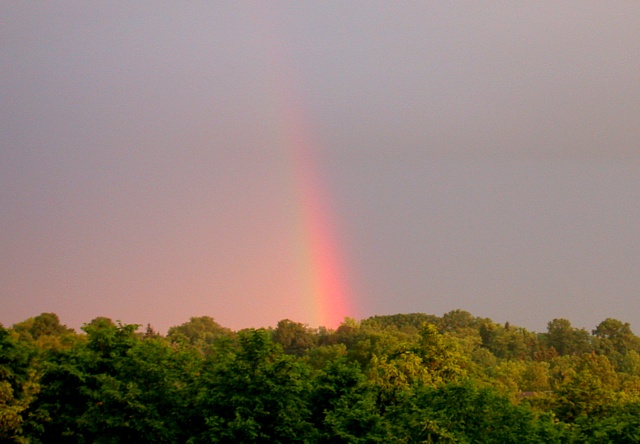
{"x": 115, "y": 387}
{"x": 583, "y": 385}
{"x": 345, "y": 406}
{"x": 615, "y": 339}
{"x": 630, "y": 363}
{"x": 482, "y": 361}
{"x": 408, "y": 323}
{"x": 507, "y": 342}
{"x": 567, "y": 340}
{"x": 465, "y": 413}
{"x": 614, "y": 329}
{"x": 45, "y": 324}
{"x": 256, "y": 395}
{"x": 320, "y": 357}
{"x": 45, "y": 332}
{"x": 441, "y": 355}
{"x": 356, "y": 418}
{"x": 201, "y": 332}
{"x": 435, "y": 359}
{"x": 18, "y": 385}
{"x": 619, "y": 424}
{"x": 295, "y": 338}
{"x": 508, "y": 376}
{"x": 396, "y": 378}
{"x": 457, "y": 320}
{"x": 366, "y": 343}
{"x": 536, "y": 377}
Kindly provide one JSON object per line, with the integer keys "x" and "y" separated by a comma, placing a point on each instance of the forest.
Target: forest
{"x": 405, "y": 378}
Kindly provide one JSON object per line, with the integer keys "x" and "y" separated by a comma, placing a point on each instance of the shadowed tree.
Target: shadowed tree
{"x": 256, "y": 395}
{"x": 18, "y": 385}
{"x": 116, "y": 387}
{"x": 565, "y": 339}
{"x": 465, "y": 413}
{"x": 295, "y": 338}
{"x": 200, "y": 332}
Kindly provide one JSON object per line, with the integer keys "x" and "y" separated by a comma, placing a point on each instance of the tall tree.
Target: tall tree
{"x": 116, "y": 387}
{"x": 18, "y": 385}
{"x": 45, "y": 331}
{"x": 615, "y": 339}
{"x": 257, "y": 395}
{"x": 566, "y": 339}
{"x": 201, "y": 332}
{"x": 295, "y": 338}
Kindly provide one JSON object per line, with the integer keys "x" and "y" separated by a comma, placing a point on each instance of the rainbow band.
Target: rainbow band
{"x": 321, "y": 264}
{"x": 320, "y": 268}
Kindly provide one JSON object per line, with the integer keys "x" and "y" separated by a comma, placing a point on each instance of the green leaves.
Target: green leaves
{"x": 395, "y": 379}
{"x": 18, "y": 385}
{"x": 116, "y": 387}
{"x": 258, "y": 394}
{"x": 463, "y": 412}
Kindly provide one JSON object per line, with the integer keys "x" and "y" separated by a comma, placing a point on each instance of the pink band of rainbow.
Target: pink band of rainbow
{"x": 320, "y": 272}
{"x": 322, "y": 267}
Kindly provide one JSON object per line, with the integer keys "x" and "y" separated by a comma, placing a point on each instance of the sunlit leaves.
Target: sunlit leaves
{"x": 457, "y": 378}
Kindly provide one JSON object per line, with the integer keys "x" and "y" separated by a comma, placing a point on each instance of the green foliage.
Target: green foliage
{"x": 619, "y": 424}
{"x": 344, "y": 406}
{"x": 18, "y": 385}
{"x": 508, "y": 342}
{"x": 441, "y": 355}
{"x": 586, "y": 386}
{"x": 411, "y": 323}
{"x": 567, "y": 340}
{"x": 615, "y": 339}
{"x": 115, "y": 388}
{"x": 356, "y": 419}
{"x": 464, "y": 413}
{"x": 202, "y": 333}
{"x": 45, "y": 332}
{"x": 295, "y": 338}
{"x": 256, "y": 395}
{"x": 388, "y": 379}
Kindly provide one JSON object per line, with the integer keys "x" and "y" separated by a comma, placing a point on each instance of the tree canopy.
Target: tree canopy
{"x": 405, "y": 378}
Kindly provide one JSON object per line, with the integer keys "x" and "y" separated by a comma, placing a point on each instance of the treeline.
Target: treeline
{"x": 406, "y": 378}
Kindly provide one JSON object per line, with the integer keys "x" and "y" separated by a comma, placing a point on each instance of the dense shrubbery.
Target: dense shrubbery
{"x": 411, "y": 378}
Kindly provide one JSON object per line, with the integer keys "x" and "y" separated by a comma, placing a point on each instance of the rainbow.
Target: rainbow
{"x": 320, "y": 268}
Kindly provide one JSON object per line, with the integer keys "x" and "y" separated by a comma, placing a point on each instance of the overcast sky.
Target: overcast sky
{"x": 472, "y": 155}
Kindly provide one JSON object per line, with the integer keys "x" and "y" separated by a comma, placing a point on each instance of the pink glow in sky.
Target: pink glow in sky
{"x": 260, "y": 161}
{"x": 319, "y": 263}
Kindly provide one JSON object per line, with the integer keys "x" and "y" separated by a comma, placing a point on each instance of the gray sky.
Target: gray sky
{"x": 161, "y": 160}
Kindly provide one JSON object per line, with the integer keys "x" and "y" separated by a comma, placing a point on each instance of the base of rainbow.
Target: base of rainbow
{"x": 320, "y": 268}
